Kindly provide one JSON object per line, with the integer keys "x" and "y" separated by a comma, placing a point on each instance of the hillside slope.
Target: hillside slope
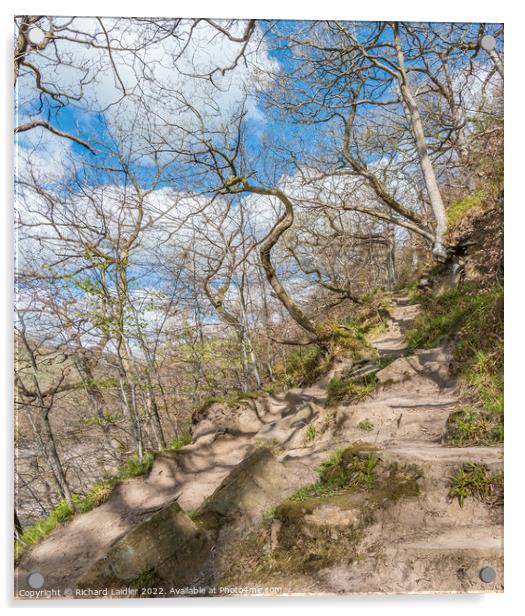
{"x": 260, "y": 499}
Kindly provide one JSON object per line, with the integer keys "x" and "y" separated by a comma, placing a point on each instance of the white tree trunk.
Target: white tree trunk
{"x": 427, "y": 168}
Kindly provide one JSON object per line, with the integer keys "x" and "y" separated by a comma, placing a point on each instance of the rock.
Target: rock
{"x": 253, "y": 487}
{"x": 304, "y": 416}
{"x": 288, "y": 429}
{"x": 332, "y": 516}
{"x": 399, "y": 370}
{"x": 168, "y": 543}
{"x": 434, "y": 363}
{"x": 242, "y": 417}
{"x": 274, "y": 533}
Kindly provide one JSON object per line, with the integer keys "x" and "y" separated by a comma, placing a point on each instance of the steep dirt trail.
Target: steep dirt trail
{"x": 406, "y": 420}
{"x": 187, "y": 477}
{"x": 424, "y": 544}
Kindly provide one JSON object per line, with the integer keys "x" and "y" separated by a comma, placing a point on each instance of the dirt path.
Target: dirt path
{"x": 428, "y": 544}
{"x": 406, "y": 419}
{"x": 187, "y": 477}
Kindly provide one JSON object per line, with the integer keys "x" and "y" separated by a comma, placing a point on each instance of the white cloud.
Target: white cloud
{"x": 154, "y": 66}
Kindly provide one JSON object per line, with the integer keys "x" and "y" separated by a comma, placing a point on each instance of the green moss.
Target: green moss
{"x": 358, "y": 468}
{"x": 398, "y": 481}
{"x": 297, "y": 553}
{"x": 457, "y": 211}
{"x": 476, "y": 480}
{"x": 303, "y": 548}
{"x": 345, "y": 469}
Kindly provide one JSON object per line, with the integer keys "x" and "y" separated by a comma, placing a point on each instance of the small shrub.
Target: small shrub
{"x": 300, "y": 368}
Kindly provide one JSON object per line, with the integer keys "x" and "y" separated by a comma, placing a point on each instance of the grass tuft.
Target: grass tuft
{"x": 179, "y": 442}
{"x": 345, "y": 469}
{"x": 346, "y": 391}
{"x": 310, "y": 433}
{"x": 475, "y": 480}
{"x": 470, "y": 318}
{"x": 365, "y": 425}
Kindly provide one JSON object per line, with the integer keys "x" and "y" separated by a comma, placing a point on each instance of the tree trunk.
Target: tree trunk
{"x": 282, "y": 225}
{"x": 155, "y": 417}
{"x": 427, "y": 168}
{"x": 131, "y": 412}
{"x": 54, "y": 459}
{"x": 19, "y": 531}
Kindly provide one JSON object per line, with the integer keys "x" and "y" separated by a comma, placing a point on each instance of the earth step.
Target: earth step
{"x": 435, "y": 365}
{"x": 487, "y": 541}
{"x": 421, "y": 402}
{"x": 463, "y": 550}
{"x": 444, "y": 562}
{"x": 390, "y": 345}
{"x": 381, "y": 424}
{"x": 448, "y": 455}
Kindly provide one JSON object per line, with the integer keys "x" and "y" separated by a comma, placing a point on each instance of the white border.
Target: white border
{"x": 441, "y": 10}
